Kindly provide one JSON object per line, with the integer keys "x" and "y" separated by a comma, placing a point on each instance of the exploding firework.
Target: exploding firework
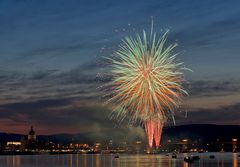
{"x": 146, "y": 82}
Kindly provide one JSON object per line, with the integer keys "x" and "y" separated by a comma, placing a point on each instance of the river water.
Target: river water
{"x": 109, "y": 160}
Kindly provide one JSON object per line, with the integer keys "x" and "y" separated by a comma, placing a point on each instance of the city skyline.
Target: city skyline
{"x": 51, "y": 64}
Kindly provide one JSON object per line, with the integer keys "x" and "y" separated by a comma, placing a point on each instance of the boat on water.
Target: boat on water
{"x": 188, "y": 159}
{"x": 191, "y": 159}
{"x": 174, "y": 155}
{"x": 211, "y": 156}
{"x": 116, "y": 156}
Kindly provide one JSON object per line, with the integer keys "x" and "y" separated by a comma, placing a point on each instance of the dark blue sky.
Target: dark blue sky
{"x": 51, "y": 54}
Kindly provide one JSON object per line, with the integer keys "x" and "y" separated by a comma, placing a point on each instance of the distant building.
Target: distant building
{"x": 31, "y": 142}
{"x": 13, "y": 145}
{"x": 32, "y": 135}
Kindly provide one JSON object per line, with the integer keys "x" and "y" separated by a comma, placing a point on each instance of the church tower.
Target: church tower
{"x": 32, "y": 134}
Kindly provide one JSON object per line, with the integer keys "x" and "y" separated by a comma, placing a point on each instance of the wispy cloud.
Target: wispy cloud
{"x": 209, "y": 88}
{"x": 228, "y": 115}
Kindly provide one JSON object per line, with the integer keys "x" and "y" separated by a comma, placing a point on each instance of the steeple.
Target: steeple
{"x": 31, "y": 134}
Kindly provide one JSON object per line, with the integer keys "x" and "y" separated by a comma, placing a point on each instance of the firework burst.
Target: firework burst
{"x": 146, "y": 82}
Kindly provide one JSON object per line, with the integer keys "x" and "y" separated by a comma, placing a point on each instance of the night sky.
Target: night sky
{"x": 51, "y": 64}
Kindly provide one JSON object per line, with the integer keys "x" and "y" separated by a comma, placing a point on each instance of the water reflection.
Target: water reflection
{"x": 185, "y": 164}
{"x": 235, "y": 160}
{"x": 14, "y": 161}
{"x": 70, "y": 160}
{"x": 77, "y": 160}
{"x": 108, "y": 160}
{"x": 98, "y": 160}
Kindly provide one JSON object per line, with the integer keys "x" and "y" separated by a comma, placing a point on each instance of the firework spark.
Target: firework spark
{"x": 147, "y": 82}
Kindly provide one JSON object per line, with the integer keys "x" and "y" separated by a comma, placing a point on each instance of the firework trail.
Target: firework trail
{"x": 146, "y": 82}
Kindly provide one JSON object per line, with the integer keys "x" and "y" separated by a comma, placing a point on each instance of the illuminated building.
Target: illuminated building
{"x": 185, "y": 145}
{"x": 31, "y": 142}
{"x": 139, "y": 146}
{"x": 13, "y": 145}
{"x": 234, "y": 145}
{"x": 31, "y": 135}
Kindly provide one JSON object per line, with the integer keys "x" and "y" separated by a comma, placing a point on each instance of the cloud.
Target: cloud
{"x": 228, "y": 115}
{"x": 40, "y": 75}
{"x": 211, "y": 94}
{"x": 212, "y": 87}
{"x": 41, "y": 84}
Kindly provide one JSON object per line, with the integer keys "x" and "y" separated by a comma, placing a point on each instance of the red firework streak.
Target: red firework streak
{"x": 154, "y": 132}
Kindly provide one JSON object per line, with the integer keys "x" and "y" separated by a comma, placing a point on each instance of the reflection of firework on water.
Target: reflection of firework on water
{"x": 147, "y": 82}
